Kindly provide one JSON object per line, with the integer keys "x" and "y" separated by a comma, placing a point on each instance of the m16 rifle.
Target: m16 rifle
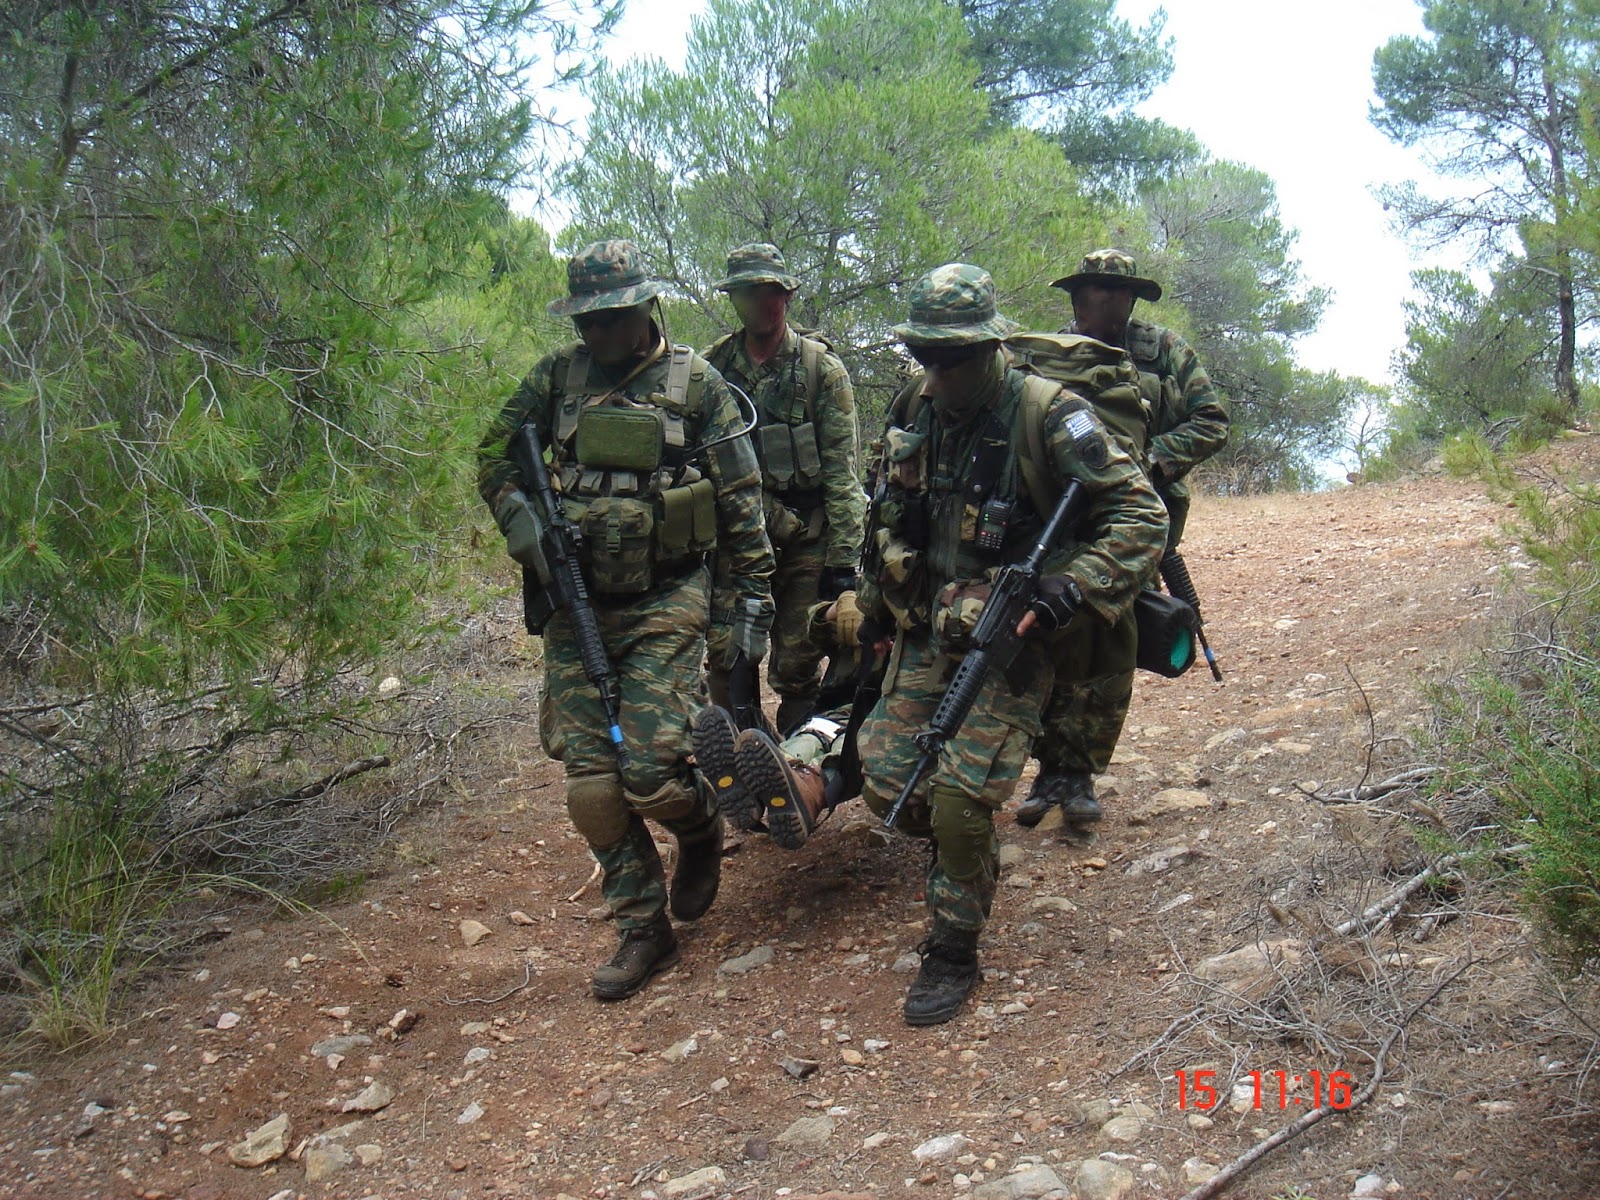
{"x": 996, "y": 642}
{"x": 565, "y": 589}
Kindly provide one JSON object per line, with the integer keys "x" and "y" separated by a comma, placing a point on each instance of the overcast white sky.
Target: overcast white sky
{"x": 1281, "y": 86}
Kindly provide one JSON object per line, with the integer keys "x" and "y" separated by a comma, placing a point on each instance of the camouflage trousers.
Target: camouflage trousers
{"x": 655, "y": 645}
{"x": 1176, "y": 498}
{"x": 793, "y": 661}
{"x": 976, "y": 773}
{"x": 1088, "y": 705}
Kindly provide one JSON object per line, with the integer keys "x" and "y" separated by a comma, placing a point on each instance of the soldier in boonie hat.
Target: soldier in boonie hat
{"x": 954, "y": 305}
{"x": 607, "y": 274}
{"x": 1112, "y": 269}
{"x": 754, "y": 264}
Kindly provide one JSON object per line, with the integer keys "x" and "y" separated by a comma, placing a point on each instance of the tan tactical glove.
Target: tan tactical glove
{"x": 846, "y": 616}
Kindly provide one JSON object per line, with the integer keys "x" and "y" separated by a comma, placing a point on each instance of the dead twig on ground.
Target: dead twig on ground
{"x": 593, "y": 875}
{"x": 527, "y": 978}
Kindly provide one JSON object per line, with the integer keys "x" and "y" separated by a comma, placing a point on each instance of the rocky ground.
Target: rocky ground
{"x": 432, "y": 1036}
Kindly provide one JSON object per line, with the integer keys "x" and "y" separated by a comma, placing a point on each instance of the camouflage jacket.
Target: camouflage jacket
{"x": 819, "y": 484}
{"x": 927, "y": 515}
{"x": 1188, "y": 417}
{"x": 744, "y": 554}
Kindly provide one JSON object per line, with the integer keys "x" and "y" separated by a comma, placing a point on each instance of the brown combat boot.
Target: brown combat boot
{"x": 643, "y": 952}
{"x": 793, "y": 793}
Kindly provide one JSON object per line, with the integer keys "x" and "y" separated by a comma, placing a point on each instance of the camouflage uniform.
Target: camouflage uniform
{"x": 646, "y": 537}
{"x": 808, "y": 444}
{"x": 926, "y": 574}
{"x": 1188, "y": 424}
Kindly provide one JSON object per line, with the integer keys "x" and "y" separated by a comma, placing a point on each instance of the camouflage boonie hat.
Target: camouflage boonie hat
{"x": 606, "y": 274}
{"x": 1114, "y": 268}
{"x": 954, "y": 305}
{"x": 757, "y": 263}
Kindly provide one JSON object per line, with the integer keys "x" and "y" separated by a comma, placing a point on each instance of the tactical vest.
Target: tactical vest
{"x": 646, "y": 513}
{"x": 1160, "y": 391}
{"x": 785, "y": 437}
{"x": 934, "y": 525}
{"x": 1102, "y": 374}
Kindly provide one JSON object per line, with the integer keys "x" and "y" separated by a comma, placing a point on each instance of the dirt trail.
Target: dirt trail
{"x": 1326, "y": 611}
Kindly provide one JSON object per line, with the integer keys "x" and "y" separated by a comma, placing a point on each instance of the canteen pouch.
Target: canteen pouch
{"x": 1166, "y": 633}
{"x": 619, "y": 542}
{"x": 629, "y": 439}
{"x": 688, "y": 525}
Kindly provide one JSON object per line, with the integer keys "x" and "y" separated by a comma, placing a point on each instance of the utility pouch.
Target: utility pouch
{"x": 618, "y": 535}
{"x": 1166, "y": 633}
{"x": 688, "y": 525}
{"x": 620, "y": 438}
{"x": 777, "y": 457}
{"x": 807, "y": 458}
{"x": 536, "y": 603}
{"x": 902, "y": 447}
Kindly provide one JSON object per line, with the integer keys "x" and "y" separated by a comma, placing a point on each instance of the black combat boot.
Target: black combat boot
{"x": 699, "y": 871}
{"x": 643, "y": 952}
{"x": 949, "y": 971}
{"x": 1079, "y": 805}
{"x": 1048, "y": 791}
{"x": 713, "y": 733}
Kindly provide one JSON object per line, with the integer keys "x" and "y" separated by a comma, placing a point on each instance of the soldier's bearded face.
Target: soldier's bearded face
{"x": 1102, "y": 312}
{"x": 615, "y": 335}
{"x": 762, "y": 309}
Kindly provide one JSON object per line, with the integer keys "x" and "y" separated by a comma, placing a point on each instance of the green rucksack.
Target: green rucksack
{"x": 1103, "y": 375}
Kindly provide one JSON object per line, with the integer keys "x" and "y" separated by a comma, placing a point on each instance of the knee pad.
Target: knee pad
{"x": 598, "y": 809}
{"x": 913, "y": 817}
{"x": 964, "y": 829}
{"x": 672, "y": 801}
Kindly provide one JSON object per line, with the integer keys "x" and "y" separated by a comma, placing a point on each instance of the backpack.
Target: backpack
{"x": 1103, "y": 375}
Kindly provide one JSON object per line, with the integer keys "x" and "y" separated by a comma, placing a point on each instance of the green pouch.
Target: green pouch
{"x": 777, "y": 456}
{"x": 1166, "y": 633}
{"x": 688, "y": 524}
{"x": 619, "y": 541}
{"x": 807, "y": 459}
{"x": 620, "y": 438}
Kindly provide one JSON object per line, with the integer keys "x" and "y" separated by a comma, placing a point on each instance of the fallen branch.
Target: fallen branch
{"x": 1219, "y": 1182}
{"x": 527, "y": 978}
{"x": 593, "y": 875}
{"x": 1383, "y": 910}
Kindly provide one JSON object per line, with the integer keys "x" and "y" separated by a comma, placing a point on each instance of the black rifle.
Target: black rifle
{"x": 559, "y": 541}
{"x": 995, "y": 644}
{"x": 744, "y": 693}
{"x": 1175, "y": 574}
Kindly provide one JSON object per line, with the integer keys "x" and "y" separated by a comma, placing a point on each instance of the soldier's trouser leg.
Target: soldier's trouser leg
{"x": 974, "y": 776}
{"x": 1088, "y": 705}
{"x": 656, "y": 646}
{"x": 794, "y": 663}
{"x": 633, "y": 883}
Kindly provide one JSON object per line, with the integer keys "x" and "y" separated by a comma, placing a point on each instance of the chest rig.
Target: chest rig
{"x": 953, "y": 505}
{"x": 646, "y": 513}
{"x": 786, "y": 442}
{"x": 1160, "y": 390}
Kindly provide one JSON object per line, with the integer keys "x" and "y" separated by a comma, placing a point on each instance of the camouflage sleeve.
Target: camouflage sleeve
{"x": 1201, "y": 425}
{"x": 839, "y": 442}
{"x": 1126, "y": 521}
{"x": 531, "y": 401}
{"x": 744, "y": 555}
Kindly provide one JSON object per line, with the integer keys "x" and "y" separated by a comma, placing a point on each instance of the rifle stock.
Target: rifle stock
{"x": 560, "y": 540}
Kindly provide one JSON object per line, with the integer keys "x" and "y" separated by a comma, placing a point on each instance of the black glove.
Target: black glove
{"x": 1058, "y": 602}
{"x": 835, "y": 582}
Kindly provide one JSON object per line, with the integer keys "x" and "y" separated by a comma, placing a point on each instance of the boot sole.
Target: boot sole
{"x": 713, "y": 734}
{"x": 767, "y": 776}
{"x": 622, "y": 991}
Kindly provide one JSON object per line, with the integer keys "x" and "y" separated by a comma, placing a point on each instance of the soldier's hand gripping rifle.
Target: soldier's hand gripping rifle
{"x": 996, "y": 642}
{"x": 1175, "y": 574}
{"x": 559, "y": 541}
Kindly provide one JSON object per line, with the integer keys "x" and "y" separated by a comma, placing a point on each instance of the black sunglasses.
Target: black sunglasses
{"x": 602, "y": 318}
{"x": 945, "y": 357}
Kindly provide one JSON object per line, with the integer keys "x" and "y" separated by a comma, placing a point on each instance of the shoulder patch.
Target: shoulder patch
{"x": 1087, "y": 439}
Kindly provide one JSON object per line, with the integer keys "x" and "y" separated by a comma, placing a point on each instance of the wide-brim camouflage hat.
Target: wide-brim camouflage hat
{"x": 755, "y": 264}
{"x": 954, "y": 305}
{"x": 1113, "y": 268}
{"x": 607, "y": 274}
